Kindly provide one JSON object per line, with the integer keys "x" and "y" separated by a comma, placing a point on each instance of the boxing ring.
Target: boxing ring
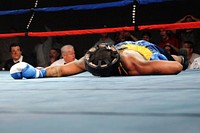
{"x": 88, "y": 104}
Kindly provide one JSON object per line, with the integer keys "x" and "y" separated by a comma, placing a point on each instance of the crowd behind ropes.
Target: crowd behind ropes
{"x": 52, "y": 51}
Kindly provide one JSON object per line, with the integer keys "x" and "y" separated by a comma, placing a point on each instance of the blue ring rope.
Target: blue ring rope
{"x": 79, "y": 7}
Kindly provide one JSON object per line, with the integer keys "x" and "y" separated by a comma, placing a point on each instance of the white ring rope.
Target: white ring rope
{"x": 32, "y": 16}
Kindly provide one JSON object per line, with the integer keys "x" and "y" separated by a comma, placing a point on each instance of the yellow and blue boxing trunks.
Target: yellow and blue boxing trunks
{"x": 148, "y": 50}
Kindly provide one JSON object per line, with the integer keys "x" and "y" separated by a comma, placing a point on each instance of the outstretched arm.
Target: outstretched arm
{"x": 24, "y": 70}
{"x": 71, "y": 68}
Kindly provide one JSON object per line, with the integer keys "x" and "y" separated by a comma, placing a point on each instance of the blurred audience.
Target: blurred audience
{"x": 192, "y": 35}
{"x": 169, "y": 42}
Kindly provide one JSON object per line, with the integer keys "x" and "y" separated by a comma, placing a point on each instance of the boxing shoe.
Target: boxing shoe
{"x": 184, "y": 62}
{"x": 25, "y": 70}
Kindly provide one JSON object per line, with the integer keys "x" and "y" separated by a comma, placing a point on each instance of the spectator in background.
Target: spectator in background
{"x": 54, "y": 54}
{"x": 104, "y": 38}
{"x": 146, "y": 35}
{"x": 5, "y": 46}
{"x": 42, "y": 50}
{"x": 168, "y": 39}
{"x": 16, "y": 56}
{"x": 124, "y": 36}
{"x": 191, "y": 34}
{"x": 68, "y": 55}
{"x": 188, "y": 18}
{"x": 188, "y": 46}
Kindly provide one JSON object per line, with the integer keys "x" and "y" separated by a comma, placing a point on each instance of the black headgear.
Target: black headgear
{"x": 102, "y": 60}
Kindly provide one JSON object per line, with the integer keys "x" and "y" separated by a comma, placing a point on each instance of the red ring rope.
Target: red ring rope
{"x": 173, "y": 26}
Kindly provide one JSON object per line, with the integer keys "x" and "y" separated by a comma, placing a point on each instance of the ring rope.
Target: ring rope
{"x": 172, "y": 26}
{"x": 32, "y": 16}
{"x": 95, "y": 31}
{"x": 75, "y": 7}
{"x": 79, "y": 7}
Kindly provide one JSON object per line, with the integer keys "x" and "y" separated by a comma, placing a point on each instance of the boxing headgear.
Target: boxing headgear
{"x": 102, "y": 60}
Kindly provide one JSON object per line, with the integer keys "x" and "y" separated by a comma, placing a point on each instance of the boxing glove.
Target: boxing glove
{"x": 25, "y": 70}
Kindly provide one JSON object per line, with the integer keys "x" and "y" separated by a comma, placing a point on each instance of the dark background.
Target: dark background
{"x": 155, "y": 13}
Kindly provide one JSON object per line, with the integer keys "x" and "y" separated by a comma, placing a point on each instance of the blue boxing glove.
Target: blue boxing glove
{"x": 25, "y": 70}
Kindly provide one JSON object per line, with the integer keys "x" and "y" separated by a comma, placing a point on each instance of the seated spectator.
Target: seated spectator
{"x": 169, "y": 39}
{"x": 68, "y": 55}
{"x": 16, "y": 56}
{"x": 5, "y": 46}
{"x": 188, "y": 46}
{"x": 54, "y": 54}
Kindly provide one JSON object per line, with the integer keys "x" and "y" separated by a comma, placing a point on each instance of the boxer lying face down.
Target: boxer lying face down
{"x": 124, "y": 59}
